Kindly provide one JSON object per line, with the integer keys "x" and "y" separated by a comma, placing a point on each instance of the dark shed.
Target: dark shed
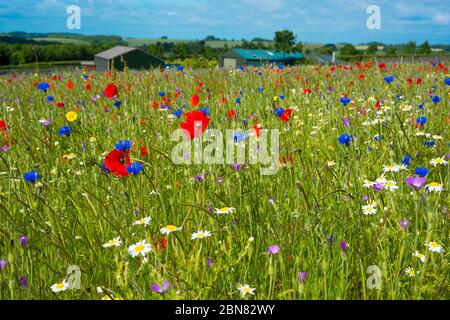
{"x": 118, "y": 56}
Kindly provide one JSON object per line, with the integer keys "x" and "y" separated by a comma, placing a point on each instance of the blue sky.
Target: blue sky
{"x": 312, "y": 21}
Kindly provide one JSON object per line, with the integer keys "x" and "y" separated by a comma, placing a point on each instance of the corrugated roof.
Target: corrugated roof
{"x": 115, "y": 52}
{"x": 252, "y": 54}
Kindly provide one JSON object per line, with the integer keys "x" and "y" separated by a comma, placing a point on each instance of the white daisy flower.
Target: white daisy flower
{"x": 391, "y": 185}
{"x": 331, "y": 163}
{"x": 245, "y": 289}
{"x": 144, "y": 221}
{"x": 411, "y": 272}
{"x": 169, "y": 229}
{"x": 420, "y": 133}
{"x": 62, "y": 286}
{"x": 434, "y": 247}
{"x": 437, "y": 161}
{"x": 225, "y": 210}
{"x": 391, "y": 168}
{"x": 116, "y": 242}
{"x": 200, "y": 235}
{"x": 434, "y": 187}
{"x": 140, "y": 248}
{"x": 368, "y": 183}
{"x": 419, "y": 255}
{"x": 369, "y": 209}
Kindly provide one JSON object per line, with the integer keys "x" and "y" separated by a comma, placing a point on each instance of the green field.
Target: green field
{"x": 336, "y": 221}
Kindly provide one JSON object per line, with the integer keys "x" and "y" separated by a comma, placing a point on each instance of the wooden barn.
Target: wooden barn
{"x": 134, "y": 58}
{"x": 238, "y": 57}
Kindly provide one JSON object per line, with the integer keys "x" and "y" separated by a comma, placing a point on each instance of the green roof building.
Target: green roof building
{"x": 238, "y": 57}
{"x": 120, "y": 56}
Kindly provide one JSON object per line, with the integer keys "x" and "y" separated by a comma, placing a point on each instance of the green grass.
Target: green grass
{"x": 76, "y": 207}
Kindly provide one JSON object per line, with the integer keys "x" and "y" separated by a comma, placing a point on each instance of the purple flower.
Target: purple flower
{"x": 302, "y": 276}
{"x": 343, "y": 246}
{"x": 209, "y": 262}
{"x": 404, "y": 224}
{"x": 199, "y": 178}
{"x": 2, "y": 264}
{"x": 271, "y": 201}
{"x": 330, "y": 239}
{"x": 5, "y": 148}
{"x": 237, "y": 166}
{"x": 365, "y": 197}
{"x": 416, "y": 182}
{"x": 346, "y": 122}
{"x": 23, "y": 241}
{"x": 160, "y": 289}
{"x": 273, "y": 249}
{"x": 23, "y": 282}
{"x": 378, "y": 187}
{"x": 46, "y": 123}
{"x": 219, "y": 180}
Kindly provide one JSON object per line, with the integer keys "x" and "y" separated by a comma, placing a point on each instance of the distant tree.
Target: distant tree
{"x": 331, "y": 46}
{"x": 410, "y": 47}
{"x": 391, "y": 51}
{"x": 425, "y": 48}
{"x": 307, "y": 51}
{"x": 348, "y": 50}
{"x": 372, "y": 49}
{"x": 298, "y": 47}
{"x": 164, "y": 37}
{"x": 284, "y": 41}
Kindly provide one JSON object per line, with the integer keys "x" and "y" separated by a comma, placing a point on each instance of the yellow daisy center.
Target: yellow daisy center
{"x": 139, "y": 248}
{"x": 434, "y": 184}
{"x": 59, "y": 285}
{"x": 247, "y": 290}
{"x": 171, "y": 227}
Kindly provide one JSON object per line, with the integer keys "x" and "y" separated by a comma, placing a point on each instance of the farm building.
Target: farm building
{"x": 118, "y": 56}
{"x": 238, "y": 57}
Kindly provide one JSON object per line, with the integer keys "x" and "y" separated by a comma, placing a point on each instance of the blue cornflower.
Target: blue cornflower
{"x": 407, "y": 160}
{"x": 239, "y": 136}
{"x": 50, "y": 98}
{"x": 389, "y": 79}
{"x": 280, "y": 66}
{"x": 177, "y": 113}
{"x": 162, "y": 93}
{"x": 43, "y": 86}
{"x": 378, "y": 138}
{"x": 205, "y": 111}
{"x": 436, "y": 99}
{"x": 429, "y": 143}
{"x": 117, "y": 103}
{"x": 80, "y": 102}
{"x": 238, "y": 100}
{"x": 421, "y": 172}
{"x": 279, "y": 111}
{"x": 123, "y": 145}
{"x": 32, "y": 176}
{"x": 261, "y": 89}
{"x": 180, "y": 68}
{"x": 85, "y": 76}
{"x": 65, "y": 131}
{"x": 345, "y": 100}
{"x": 421, "y": 120}
{"x": 447, "y": 82}
{"x": 135, "y": 168}
{"x": 399, "y": 97}
{"x": 281, "y": 97}
{"x": 345, "y": 139}
{"x": 420, "y": 106}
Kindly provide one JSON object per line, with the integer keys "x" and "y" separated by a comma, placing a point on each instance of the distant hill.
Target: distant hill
{"x": 60, "y": 38}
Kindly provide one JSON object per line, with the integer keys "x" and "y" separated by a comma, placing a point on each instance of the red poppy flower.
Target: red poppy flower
{"x": 419, "y": 81}
{"x": 69, "y": 85}
{"x": 231, "y": 114}
{"x": 195, "y": 124}
{"x": 3, "y": 125}
{"x": 257, "y": 129}
{"x": 286, "y": 116}
{"x": 111, "y": 90}
{"x": 88, "y": 87}
{"x": 60, "y": 104}
{"x": 144, "y": 151}
{"x": 409, "y": 81}
{"x": 195, "y": 100}
{"x": 155, "y": 105}
{"x": 382, "y": 66}
{"x": 116, "y": 162}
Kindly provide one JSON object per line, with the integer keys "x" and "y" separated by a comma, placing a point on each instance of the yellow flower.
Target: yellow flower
{"x": 71, "y": 116}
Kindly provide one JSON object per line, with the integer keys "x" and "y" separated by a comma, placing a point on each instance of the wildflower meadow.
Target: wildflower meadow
{"x": 93, "y": 205}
